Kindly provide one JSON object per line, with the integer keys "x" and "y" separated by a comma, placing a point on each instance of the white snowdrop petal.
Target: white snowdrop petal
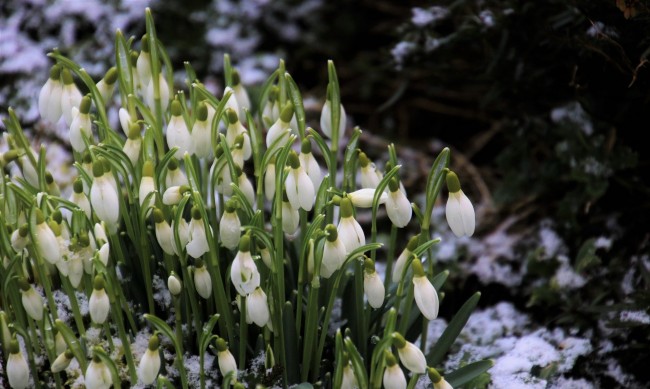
{"x": 426, "y": 297}
{"x": 454, "y": 218}
{"x": 468, "y": 215}
{"x": 398, "y": 209}
{"x": 394, "y": 378}
{"x": 306, "y": 194}
{"x": 99, "y": 306}
{"x": 229, "y": 230}
{"x": 17, "y": 371}
{"x": 374, "y": 288}
{"x": 290, "y": 218}
{"x": 33, "y": 304}
{"x": 227, "y": 362}
{"x": 291, "y": 187}
{"x": 412, "y": 358}
{"x": 203, "y": 282}
{"x": 257, "y": 307}
{"x": 149, "y": 366}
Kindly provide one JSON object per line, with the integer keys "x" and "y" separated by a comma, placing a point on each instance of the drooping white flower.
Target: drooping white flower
{"x": 133, "y": 143}
{"x": 81, "y": 125}
{"x": 240, "y": 94}
{"x": 46, "y": 243}
{"x": 174, "y": 284}
{"x": 459, "y": 211}
{"x": 326, "y": 119}
{"x": 143, "y": 64}
{"x": 98, "y": 375}
{"x": 79, "y": 198}
{"x": 398, "y": 206}
{"x": 150, "y": 97}
{"x": 299, "y": 188}
{"x": 17, "y": 369}
{"x": 236, "y": 129}
{"x": 164, "y": 234}
{"x": 243, "y": 272}
{"x": 147, "y": 185}
{"x": 32, "y": 301}
{"x": 178, "y": 135}
{"x": 174, "y": 194}
{"x": 269, "y": 180}
{"x": 150, "y": 362}
{"x": 62, "y": 361}
{"x": 183, "y": 231}
{"x": 290, "y": 216}
{"x": 198, "y": 243}
{"x": 271, "y": 111}
{"x": 20, "y": 238}
{"x": 411, "y": 356}
{"x": 350, "y": 232}
{"x": 373, "y": 286}
{"x": 309, "y": 163}
{"x": 369, "y": 175}
{"x": 362, "y": 198}
{"x": 202, "y": 280}
{"x": 425, "y": 294}
{"x": 264, "y": 253}
{"x": 107, "y": 84}
{"x": 394, "y": 377}
{"x": 49, "y": 98}
{"x": 104, "y": 197}
{"x": 398, "y": 267}
{"x": 202, "y": 131}
{"x": 59, "y": 343}
{"x": 232, "y": 102}
{"x": 279, "y": 132}
{"x": 70, "y": 96}
{"x": 75, "y": 269}
{"x": 333, "y": 252}
{"x": 175, "y": 175}
{"x": 28, "y": 169}
{"x": 349, "y": 380}
{"x": 230, "y": 225}
{"x": 226, "y": 361}
{"x": 439, "y": 381}
{"x": 99, "y": 304}
{"x": 257, "y": 307}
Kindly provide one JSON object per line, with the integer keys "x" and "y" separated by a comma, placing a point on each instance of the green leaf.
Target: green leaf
{"x": 298, "y": 107}
{"x": 587, "y": 257}
{"x": 110, "y": 364}
{"x": 357, "y": 363}
{"x": 467, "y": 373}
{"x": 451, "y": 332}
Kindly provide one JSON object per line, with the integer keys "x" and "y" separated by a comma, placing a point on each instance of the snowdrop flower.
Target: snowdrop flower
{"x": 81, "y": 126}
{"x": 107, "y": 84}
{"x": 271, "y": 111}
{"x": 333, "y": 252}
{"x": 424, "y": 292}
{"x": 62, "y": 361}
{"x": 17, "y": 369}
{"x": 269, "y": 180}
{"x": 280, "y": 130}
{"x": 70, "y": 96}
{"x": 240, "y": 94}
{"x": 20, "y": 238}
{"x": 398, "y": 206}
{"x": 147, "y": 184}
{"x": 264, "y": 253}
{"x": 373, "y": 285}
{"x": 104, "y": 197}
{"x": 460, "y": 212}
{"x": 399, "y": 265}
{"x": 369, "y": 174}
{"x": 27, "y": 168}
{"x": 150, "y": 362}
{"x": 174, "y": 194}
{"x": 174, "y": 284}
{"x": 236, "y": 129}
{"x": 143, "y": 64}
{"x": 75, "y": 269}
{"x": 133, "y": 143}
{"x": 202, "y": 280}
{"x": 299, "y": 188}
{"x": 232, "y": 102}
{"x": 164, "y": 234}
{"x": 243, "y": 272}
{"x": 52, "y": 187}
{"x": 439, "y": 382}
{"x": 46, "y": 243}
{"x": 175, "y": 176}
{"x": 97, "y": 376}
{"x": 349, "y": 380}
{"x": 49, "y": 99}
{"x": 326, "y": 119}
{"x": 79, "y": 198}
{"x": 183, "y": 231}
{"x": 59, "y": 343}
{"x": 101, "y": 240}
{"x": 32, "y": 301}
{"x": 245, "y": 186}
{"x": 290, "y": 216}
{"x": 393, "y": 375}
{"x": 98, "y": 304}
{"x": 229, "y": 227}
{"x": 202, "y": 132}
{"x": 149, "y": 97}
{"x": 309, "y": 163}
{"x": 198, "y": 243}
{"x": 362, "y": 198}
{"x": 226, "y": 361}
{"x": 257, "y": 307}
{"x": 411, "y": 356}
{"x": 178, "y": 135}
{"x": 349, "y": 229}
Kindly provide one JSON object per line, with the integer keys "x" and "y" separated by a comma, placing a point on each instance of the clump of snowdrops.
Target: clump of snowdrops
{"x": 250, "y": 216}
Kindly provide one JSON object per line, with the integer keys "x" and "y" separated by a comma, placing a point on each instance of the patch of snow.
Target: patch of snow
{"x": 487, "y": 18}
{"x": 600, "y": 30}
{"x": 640, "y": 317}
{"x": 565, "y": 277}
{"x": 422, "y": 17}
{"x": 574, "y": 114}
{"x": 401, "y": 51}
{"x": 161, "y": 293}
{"x": 550, "y": 240}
